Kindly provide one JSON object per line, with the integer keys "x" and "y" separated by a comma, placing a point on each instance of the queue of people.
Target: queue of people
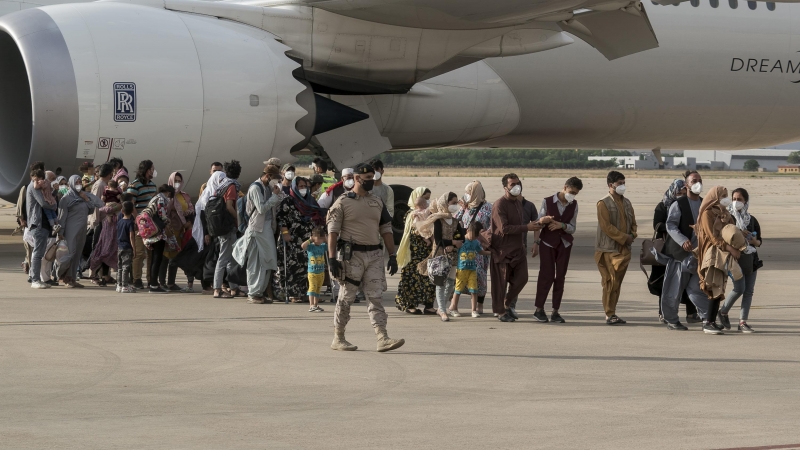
{"x": 284, "y": 237}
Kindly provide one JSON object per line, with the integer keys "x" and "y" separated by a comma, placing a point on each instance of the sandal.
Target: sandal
{"x": 222, "y": 294}
{"x": 238, "y": 293}
{"x": 615, "y": 320}
{"x": 415, "y": 311}
{"x": 444, "y": 317}
{"x": 430, "y": 312}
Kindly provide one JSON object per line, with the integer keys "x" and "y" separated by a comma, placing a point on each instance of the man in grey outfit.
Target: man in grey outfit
{"x": 40, "y": 228}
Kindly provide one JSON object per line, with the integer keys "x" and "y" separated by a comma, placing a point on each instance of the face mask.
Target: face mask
{"x": 453, "y": 209}
{"x": 738, "y": 205}
{"x": 516, "y": 190}
{"x": 348, "y": 184}
{"x": 620, "y": 190}
{"x": 427, "y": 203}
{"x": 273, "y": 183}
{"x": 155, "y": 173}
{"x": 177, "y": 186}
{"x": 368, "y": 185}
{"x": 63, "y": 190}
{"x": 570, "y": 197}
{"x": 377, "y": 176}
{"x": 302, "y": 192}
{"x": 78, "y": 187}
{"x": 289, "y": 175}
{"x": 725, "y": 202}
{"x": 697, "y": 188}
{"x": 122, "y": 186}
{"x": 466, "y": 198}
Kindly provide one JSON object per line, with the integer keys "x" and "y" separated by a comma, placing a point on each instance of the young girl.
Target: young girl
{"x": 316, "y": 249}
{"x": 467, "y": 275}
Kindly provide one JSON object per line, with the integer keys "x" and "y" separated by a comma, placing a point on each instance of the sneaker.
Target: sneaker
{"x": 677, "y": 327}
{"x": 316, "y": 309}
{"x": 724, "y": 320}
{"x": 53, "y": 283}
{"x": 540, "y": 316}
{"x": 127, "y": 290}
{"x": 475, "y": 314}
{"x": 506, "y": 318}
{"x": 512, "y": 312}
{"x": 173, "y": 288}
{"x": 138, "y": 284}
{"x": 694, "y": 318}
{"x": 39, "y": 285}
{"x": 119, "y": 289}
{"x": 709, "y": 328}
{"x": 717, "y": 326}
{"x": 157, "y": 290}
{"x": 453, "y": 313}
{"x": 745, "y": 328}
{"x": 496, "y": 315}
{"x": 662, "y": 319}
{"x": 556, "y": 318}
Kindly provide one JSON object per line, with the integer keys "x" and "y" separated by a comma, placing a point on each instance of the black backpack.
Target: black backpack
{"x": 218, "y": 220}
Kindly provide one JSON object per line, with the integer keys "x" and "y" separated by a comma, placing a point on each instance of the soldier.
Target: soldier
{"x": 352, "y": 222}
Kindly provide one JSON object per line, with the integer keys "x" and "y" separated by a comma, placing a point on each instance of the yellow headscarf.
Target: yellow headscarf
{"x": 404, "y": 252}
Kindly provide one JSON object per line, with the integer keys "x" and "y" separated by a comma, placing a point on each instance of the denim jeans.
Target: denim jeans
{"x": 444, "y": 294}
{"x": 745, "y": 286}
{"x": 40, "y": 236}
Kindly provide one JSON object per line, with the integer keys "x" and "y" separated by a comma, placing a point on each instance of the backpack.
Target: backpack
{"x": 241, "y": 207}
{"x": 218, "y": 220}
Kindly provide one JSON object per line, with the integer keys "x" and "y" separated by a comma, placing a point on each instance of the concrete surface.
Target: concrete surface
{"x": 91, "y": 369}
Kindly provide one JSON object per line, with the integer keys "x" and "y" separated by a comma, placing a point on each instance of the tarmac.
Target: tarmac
{"x": 91, "y": 369}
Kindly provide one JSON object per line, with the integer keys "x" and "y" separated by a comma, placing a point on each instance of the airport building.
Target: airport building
{"x": 789, "y": 169}
{"x": 768, "y": 159}
{"x": 647, "y": 161}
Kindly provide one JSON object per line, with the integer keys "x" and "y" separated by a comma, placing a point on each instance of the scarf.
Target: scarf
{"x": 175, "y": 204}
{"x": 742, "y": 217}
{"x": 711, "y": 204}
{"x": 122, "y": 172}
{"x": 414, "y": 214}
{"x": 73, "y": 196}
{"x": 438, "y": 211}
{"x": 307, "y": 206}
{"x": 671, "y": 196}
{"x": 477, "y": 195}
{"x": 214, "y": 183}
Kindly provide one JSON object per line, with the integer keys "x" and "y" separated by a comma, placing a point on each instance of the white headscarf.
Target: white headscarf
{"x": 214, "y": 183}
{"x": 742, "y": 217}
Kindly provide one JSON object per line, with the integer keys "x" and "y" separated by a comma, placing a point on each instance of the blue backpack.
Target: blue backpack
{"x": 241, "y": 207}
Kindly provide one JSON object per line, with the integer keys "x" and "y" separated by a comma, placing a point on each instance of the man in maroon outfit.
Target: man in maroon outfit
{"x": 509, "y": 263}
{"x": 558, "y": 215}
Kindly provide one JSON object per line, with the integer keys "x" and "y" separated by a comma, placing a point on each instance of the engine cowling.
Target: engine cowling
{"x": 90, "y": 81}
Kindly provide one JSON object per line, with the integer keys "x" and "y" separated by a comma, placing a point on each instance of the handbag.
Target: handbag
{"x": 438, "y": 266}
{"x": 50, "y": 254}
{"x": 646, "y": 257}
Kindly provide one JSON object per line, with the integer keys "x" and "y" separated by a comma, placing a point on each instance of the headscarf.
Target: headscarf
{"x": 73, "y": 195}
{"x": 672, "y": 192}
{"x": 742, "y": 217}
{"x": 477, "y": 195}
{"x": 438, "y": 211}
{"x": 176, "y": 205}
{"x": 307, "y": 205}
{"x": 122, "y": 172}
{"x": 404, "y": 251}
{"x": 711, "y": 203}
{"x": 214, "y": 183}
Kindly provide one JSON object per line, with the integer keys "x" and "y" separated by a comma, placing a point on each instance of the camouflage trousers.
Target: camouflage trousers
{"x": 367, "y": 268}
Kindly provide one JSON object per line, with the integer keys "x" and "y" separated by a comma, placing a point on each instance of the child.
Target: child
{"x": 126, "y": 228}
{"x": 467, "y": 276}
{"x": 316, "y": 249}
{"x": 112, "y": 194}
{"x": 41, "y": 183}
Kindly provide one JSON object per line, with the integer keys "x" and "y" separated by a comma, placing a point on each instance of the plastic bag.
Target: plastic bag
{"x": 62, "y": 252}
{"x": 27, "y": 236}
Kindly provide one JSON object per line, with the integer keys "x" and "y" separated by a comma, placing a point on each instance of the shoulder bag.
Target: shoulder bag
{"x": 646, "y": 257}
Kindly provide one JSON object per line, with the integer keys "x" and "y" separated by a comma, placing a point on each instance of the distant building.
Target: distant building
{"x": 789, "y": 169}
{"x": 768, "y": 159}
{"x": 647, "y": 161}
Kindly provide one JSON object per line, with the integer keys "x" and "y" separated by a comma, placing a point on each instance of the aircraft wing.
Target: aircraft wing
{"x": 615, "y": 27}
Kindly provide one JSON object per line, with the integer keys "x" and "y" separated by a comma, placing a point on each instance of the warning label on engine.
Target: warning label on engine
{"x": 124, "y": 102}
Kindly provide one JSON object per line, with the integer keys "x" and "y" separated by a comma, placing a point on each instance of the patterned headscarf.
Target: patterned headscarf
{"x": 672, "y": 193}
{"x": 306, "y": 205}
{"x": 742, "y": 217}
{"x": 404, "y": 251}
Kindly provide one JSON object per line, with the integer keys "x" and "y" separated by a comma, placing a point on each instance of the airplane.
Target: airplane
{"x": 186, "y": 82}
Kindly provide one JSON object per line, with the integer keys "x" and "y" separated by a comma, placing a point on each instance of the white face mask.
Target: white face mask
{"x": 348, "y": 184}
{"x": 466, "y": 198}
{"x": 738, "y": 205}
{"x": 725, "y": 202}
{"x": 303, "y": 192}
{"x": 122, "y": 186}
{"x": 273, "y": 183}
{"x": 78, "y": 187}
{"x": 155, "y": 173}
{"x": 453, "y": 209}
{"x": 177, "y": 186}
{"x": 516, "y": 190}
{"x": 289, "y": 175}
{"x": 697, "y": 188}
{"x": 620, "y": 190}
{"x": 570, "y": 197}
{"x": 377, "y": 176}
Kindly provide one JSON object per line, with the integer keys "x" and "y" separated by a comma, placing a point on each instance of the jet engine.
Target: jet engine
{"x": 96, "y": 80}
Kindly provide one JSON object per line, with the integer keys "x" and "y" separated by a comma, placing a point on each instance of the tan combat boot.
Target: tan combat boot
{"x": 340, "y": 343}
{"x": 384, "y": 342}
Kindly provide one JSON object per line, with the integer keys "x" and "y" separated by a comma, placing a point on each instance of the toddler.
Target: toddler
{"x": 466, "y": 275}
{"x": 41, "y": 183}
{"x": 112, "y": 194}
{"x": 316, "y": 249}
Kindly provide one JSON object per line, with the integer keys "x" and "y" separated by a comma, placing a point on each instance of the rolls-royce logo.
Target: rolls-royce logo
{"x": 124, "y": 102}
{"x": 766, "y": 66}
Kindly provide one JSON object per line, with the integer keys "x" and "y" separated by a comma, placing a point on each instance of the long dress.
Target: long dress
{"x": 256, "y": 249}
{"x": 415, "y": 288}
{"x": 484, "y": 216}
{"x": 73, "y": 220}
{"x": 294, "y": 276}
{"x": 105, "y": 251}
